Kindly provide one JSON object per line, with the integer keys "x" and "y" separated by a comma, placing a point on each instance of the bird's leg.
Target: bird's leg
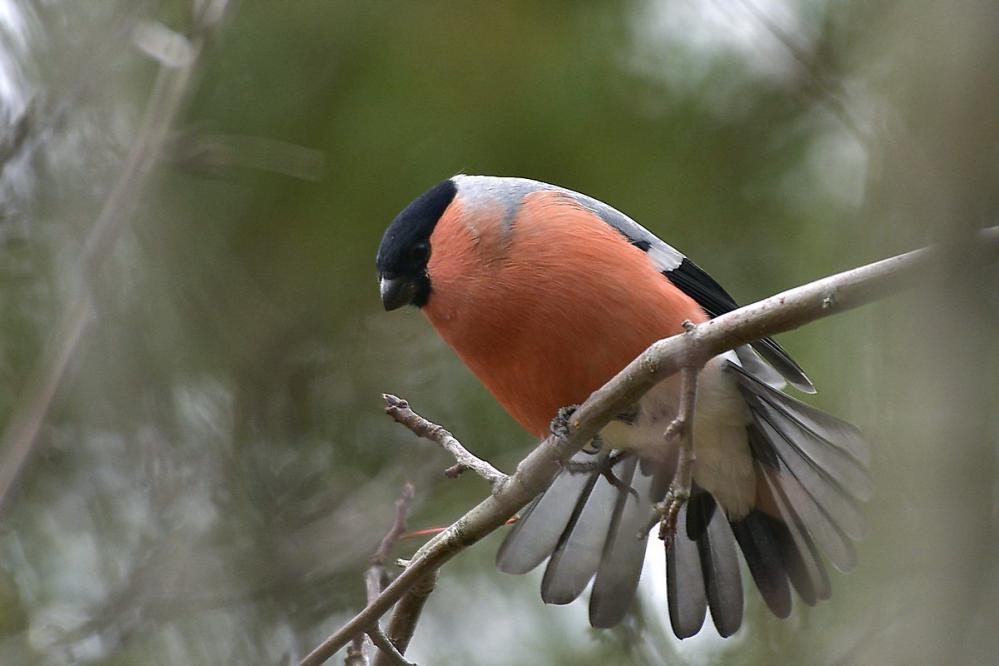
{"x": 681, "y": 432}
{"x": 605, "y": 466}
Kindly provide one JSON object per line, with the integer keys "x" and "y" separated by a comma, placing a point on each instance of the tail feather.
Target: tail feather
{"x": 756, "y": 536}
{"x": 791, "y": 493}
{"x": 830, "y": 430}
{"x": 621, "y": 565}
{"x": 702, "y": 511}
{"x": 827, "y": 535}
{"x": 578, "y": 552}
{"x": 850, "y": 477}
{"x": 686, "y": 597}
{"x": 720, "y": 567}
{"x": 535, "y": 536}
{"x": 801, "y": 557}
{"x": 826, "y": 493}
{"x": 815, "y": 464}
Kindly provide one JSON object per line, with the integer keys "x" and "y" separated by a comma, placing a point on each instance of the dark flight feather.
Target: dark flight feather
{"x": 711, "y": 296}
{"x": 685, "y": 593}
{"x": 720, "y": 566}
{"x": 801, "y": 557}
{"x": 760, "y": 547}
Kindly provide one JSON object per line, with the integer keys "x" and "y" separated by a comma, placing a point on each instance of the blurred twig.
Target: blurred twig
{"x": 15, "y": 135}
{"x": 209, "y": 152}
{"x": 782, "y": 312}
{"x": 376, "y": 572}
{"x": 41, "y": 116}
{"x": 165, "y": 102}
{"x": 829, "y": 92}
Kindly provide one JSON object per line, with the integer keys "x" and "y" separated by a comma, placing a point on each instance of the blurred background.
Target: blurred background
{"x": 195, "y": 464}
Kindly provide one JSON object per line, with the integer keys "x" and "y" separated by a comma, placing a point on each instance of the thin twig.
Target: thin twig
{"x": 356, "y": 654}
{"x": 386, "y": 649}
{"x": 400, "y": 410}
{"x": 407, "y": 613}
{"x": 384, "y": 550}
{"x": 827, "y": 91}
{"x": 680, "y": 433}
{"x": 16, "y": 134}
{"x": 782, "y": 312}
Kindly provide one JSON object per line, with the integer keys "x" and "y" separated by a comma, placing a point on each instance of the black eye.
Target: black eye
{"x": 420, "y": 252}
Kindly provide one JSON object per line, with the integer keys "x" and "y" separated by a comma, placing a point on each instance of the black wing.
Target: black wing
{"x": 715, "y": 300}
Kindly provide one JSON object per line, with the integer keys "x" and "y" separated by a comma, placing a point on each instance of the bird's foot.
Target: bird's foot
{"x": 605, "y": 466}
{"x": 668, "y": 511}
{"x": 559, "y": 425}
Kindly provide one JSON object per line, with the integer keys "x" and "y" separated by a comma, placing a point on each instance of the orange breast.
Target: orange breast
{"x": 546, "y": 311}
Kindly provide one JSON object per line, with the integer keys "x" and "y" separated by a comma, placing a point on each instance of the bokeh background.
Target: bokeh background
{"x": 192, "y": 350}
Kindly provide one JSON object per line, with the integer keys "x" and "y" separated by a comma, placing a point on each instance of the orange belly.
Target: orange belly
{"x": 546, "y": 311}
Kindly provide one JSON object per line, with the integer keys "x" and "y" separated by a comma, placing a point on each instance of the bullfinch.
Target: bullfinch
{"x": 545, "y": 294}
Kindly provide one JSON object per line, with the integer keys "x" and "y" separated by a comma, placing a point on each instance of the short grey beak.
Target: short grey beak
{"x": 396, "y": 292}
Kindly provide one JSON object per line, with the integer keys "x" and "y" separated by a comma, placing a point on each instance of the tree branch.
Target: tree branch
{"x": 782, "y": 312}
{"x": 399, "y": 410}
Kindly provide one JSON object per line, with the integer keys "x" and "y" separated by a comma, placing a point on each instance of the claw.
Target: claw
{"x": 605, "y": 467}
{"x": 559, "y": 425}
{"x": 669, "y": 508}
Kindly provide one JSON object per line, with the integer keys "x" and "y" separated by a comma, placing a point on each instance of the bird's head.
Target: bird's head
{"x": 405, "y": 249}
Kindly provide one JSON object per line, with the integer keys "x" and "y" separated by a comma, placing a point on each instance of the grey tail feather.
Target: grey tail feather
{"x": 577, "y": 555}
{"x": 535, "y": 536}
{"x": 702, "y": 569}
{"x": 720, "y": 568}
{"x": 624, "y": 551}
{"x": 811, "y": 473}
{"x": 686, "y": 598}
{"x": 589, "y": 528}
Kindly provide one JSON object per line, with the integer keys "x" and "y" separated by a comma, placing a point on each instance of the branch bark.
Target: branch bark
{"x": 782, "y": 312}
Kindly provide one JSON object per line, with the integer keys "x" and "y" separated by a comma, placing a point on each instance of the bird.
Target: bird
{"x": 545, "y": 294}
